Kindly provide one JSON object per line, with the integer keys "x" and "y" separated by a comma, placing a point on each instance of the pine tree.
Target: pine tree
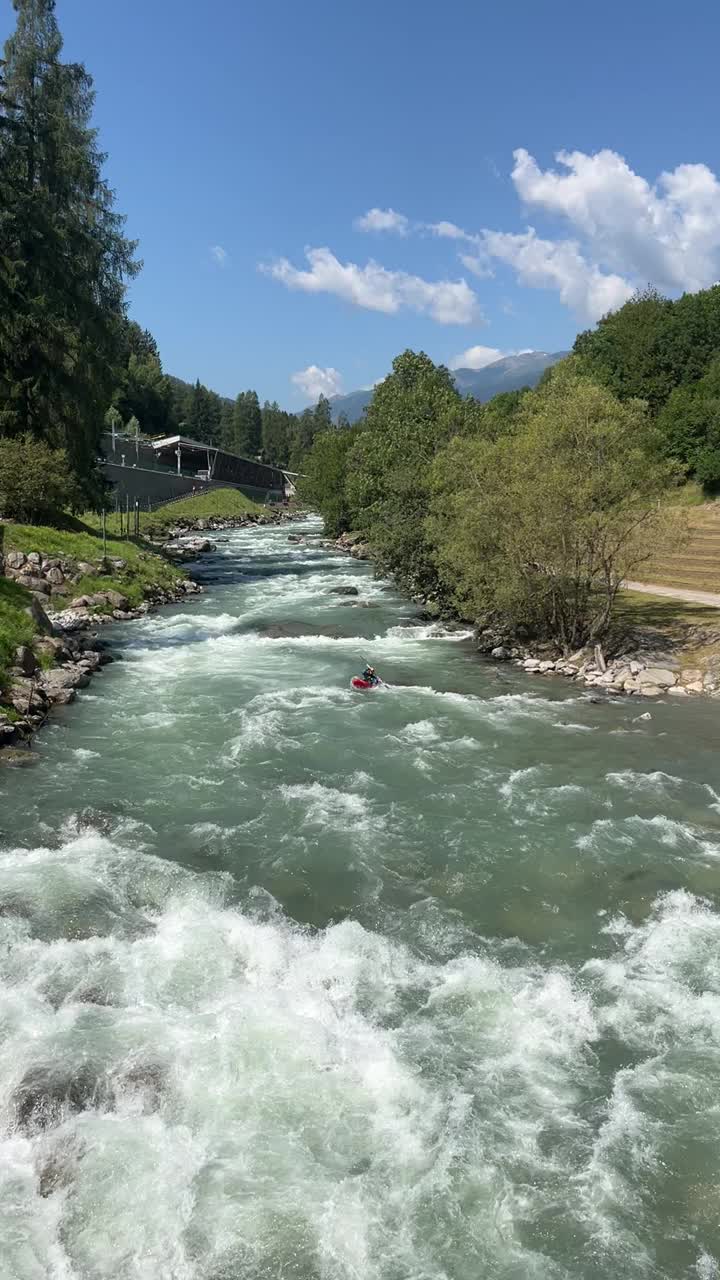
{"x": 63, "y": 257}
{"x": 200, "y": 420}
{"x": 277, "y": 428}
{"x": 323, "y": 415}
{"x": 226, "y": 423}
{"x": 247, "y": 425}
{"x": 143, "y": 389}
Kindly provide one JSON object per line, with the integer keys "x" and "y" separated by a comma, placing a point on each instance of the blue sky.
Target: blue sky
{"x": 243, "y": 136}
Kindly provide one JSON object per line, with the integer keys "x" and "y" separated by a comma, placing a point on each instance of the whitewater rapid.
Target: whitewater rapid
{"x": 295, "y": 982}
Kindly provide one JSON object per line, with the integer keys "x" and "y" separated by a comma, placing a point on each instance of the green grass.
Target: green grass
{"x": 16, "y": 627}
{"x": 221, "y": 504}
{"x": 690, "y": 494}
{"x": 82, "y": 542}
{"x": 659, "y": 613}
{"x": 144, "y": 570}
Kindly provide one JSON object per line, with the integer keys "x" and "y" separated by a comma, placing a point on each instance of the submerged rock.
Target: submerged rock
{"x": 47, "y": 1093}
{"x": 344, "y": 590}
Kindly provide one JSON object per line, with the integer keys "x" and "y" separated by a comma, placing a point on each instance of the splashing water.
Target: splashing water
{"x": 302, "y": 983}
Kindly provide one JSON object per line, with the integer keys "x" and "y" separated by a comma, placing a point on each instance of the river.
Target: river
{"x": 300, "y": 983}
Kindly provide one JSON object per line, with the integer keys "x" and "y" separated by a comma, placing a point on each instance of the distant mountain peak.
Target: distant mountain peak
{"x": 507, "y": 374}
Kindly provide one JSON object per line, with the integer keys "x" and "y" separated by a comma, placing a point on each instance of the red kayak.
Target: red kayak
{"x": 357, "y": 682}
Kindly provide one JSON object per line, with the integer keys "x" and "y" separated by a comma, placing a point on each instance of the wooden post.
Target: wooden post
{"x": 104, "y": 534}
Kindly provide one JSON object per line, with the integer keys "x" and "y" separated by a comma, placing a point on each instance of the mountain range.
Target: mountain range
{"x": 509, "y": 374}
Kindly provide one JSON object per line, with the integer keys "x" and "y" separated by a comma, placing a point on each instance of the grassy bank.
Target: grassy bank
{"x": 16, "y": 626}
{"x": 143, "y": 572}
{"x": 219, "y": 504}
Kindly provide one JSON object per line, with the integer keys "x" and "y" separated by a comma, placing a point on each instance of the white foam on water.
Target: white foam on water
{"x": 328, "y": 807}
{"x": 429, "y": 631}
{"x": 229, "y": 1095}
{"x": 668, "y": 833}
{"x": 262, "y": 1098}
{"x": 569, "y": 726}
{"x": 660, "y": 994}
{"x": 515, "y": 783}
{"x": 707, "y": 1267}
{"x": 278, "y": 719}
{"x": 419, "y": 731}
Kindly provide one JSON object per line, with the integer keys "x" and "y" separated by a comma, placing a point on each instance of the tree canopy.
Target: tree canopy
{"x": 656, "y": 349}
{"x": 542, "y": 526}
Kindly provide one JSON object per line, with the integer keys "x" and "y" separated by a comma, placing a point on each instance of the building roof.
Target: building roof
{"x": 172, "y": 442}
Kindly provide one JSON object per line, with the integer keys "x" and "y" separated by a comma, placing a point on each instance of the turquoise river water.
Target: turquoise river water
{"x": 304, "y": 984}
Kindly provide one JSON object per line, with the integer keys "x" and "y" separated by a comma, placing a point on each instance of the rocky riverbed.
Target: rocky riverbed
{"x": 67, "y": 651}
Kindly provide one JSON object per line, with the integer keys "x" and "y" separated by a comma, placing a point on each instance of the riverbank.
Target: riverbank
{"x": 59, "y": 586}
{"x": 657, "y": 646}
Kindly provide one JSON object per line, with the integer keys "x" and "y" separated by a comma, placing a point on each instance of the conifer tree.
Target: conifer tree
{"x": 64, "y": 258}
{"x": 247, "y": 425}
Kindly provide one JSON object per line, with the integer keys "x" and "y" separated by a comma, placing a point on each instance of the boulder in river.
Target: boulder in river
{"x": 48, "y": 1092}
{"x": 344, "y": 590}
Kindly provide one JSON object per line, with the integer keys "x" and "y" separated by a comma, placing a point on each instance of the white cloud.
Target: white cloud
{"x": 477, "y": 263}
{"x": 377, "y": 289}
{"x": 559, "y": 265}
{"x": 623, "y": 231}
{"x": 382, "y": 220}
{"x": 447, "y": 231}
{"x": 315, "y": 382}
{"x": 477, "y": 357}
{"x": 219, "y": 254}
{"x": 667, "y": 233}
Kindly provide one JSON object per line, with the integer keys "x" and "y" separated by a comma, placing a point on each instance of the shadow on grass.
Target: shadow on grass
{"x": 658, "y": 622}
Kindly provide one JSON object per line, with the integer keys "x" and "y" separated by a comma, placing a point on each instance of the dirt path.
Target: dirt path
{"x": 675, "y": 593}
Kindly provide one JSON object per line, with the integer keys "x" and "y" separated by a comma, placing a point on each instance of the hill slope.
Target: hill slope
{"x": 508, "y": 374}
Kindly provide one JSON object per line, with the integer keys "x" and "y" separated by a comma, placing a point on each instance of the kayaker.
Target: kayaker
{"x": 369, "y": 675}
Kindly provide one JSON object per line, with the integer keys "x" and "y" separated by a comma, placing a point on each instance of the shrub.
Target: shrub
{"x": 35, "y": 481}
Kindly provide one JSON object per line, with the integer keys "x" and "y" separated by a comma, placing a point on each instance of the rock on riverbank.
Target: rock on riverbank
{"x": 216, "y": 524}
{"x": 643, "y": 670}
{"x": 66, "y": 653}
{"x": 45, "y": 676}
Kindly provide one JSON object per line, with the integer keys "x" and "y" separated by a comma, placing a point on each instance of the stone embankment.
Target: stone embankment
{"x": 66, "y": 653}
{"x": 36, "y": 687}
{"x": 217, "y": 524}
{"x": 354, "y": 546}
{"x": 643, "y": 670}
{"x": 51, "y": 579}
